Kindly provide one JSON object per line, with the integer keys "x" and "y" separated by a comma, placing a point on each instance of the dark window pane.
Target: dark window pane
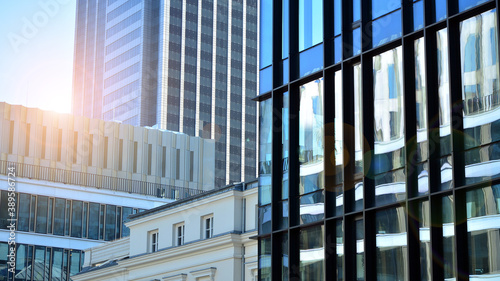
{"x": 110, "y": 222}
{"x": 391, "y": 242}
{"x": 266, "y": 80}
{"x": 483, "y": 208}
{"x": 76, "y": 219}
{"x": 4, "y": 213}
{"x": 41, "y": 214}
{"x": 311, "y": 253}
{"x": 93, "y": 221}
{"x": 265, "y": 259}
{"x": 59, "y": 216}
{"x": 312, "y": 207}
{"x": 57, "y": 263}
{"x": 265, "y": 219}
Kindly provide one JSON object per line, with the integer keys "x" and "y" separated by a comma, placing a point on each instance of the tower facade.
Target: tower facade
{"x": 183, "y": 65}
{"x": 379, "y": 143}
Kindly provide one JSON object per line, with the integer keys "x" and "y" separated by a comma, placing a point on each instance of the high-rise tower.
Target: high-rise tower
{"x": 182, "y": 65}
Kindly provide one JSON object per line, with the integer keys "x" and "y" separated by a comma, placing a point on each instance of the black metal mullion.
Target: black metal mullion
{"x": 413, "y": 240}
{"x": 277, "y": 174}
{"x": 433, "y": 100}
{"x": 436, "y": 235}
{"x": 330, "y": 245}
{"x": 329, "y": 143}
{"x": 367, "y": 98}
{"x": 413, "y": 261}
{"x": 293, "y": 46}
{"x": 350, "y": 248}
{"x": 348, "y": 124}
{"x": 461, "y": 236}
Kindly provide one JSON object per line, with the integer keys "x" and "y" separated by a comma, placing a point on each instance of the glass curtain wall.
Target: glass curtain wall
{"x": 386, "y": 118}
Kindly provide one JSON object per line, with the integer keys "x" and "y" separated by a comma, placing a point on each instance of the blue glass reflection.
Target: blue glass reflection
{"x": 310, "y": 23}
{"x": 356, "y": 10}
{"x": 386, "y": 29}
{"x": 337, "y": 11}
{"x": 356, "y": 41}
{"x": 418, "y": 15}
{"x": 284, "y": 31}
{"x": 286, "y": 67}
{"x": 482, "y": 163}
{"x": 266, "y": 33}
{"x": 265, "y": 219}
{"x": 382, "y": 7}
{"x": 312, "y": 207}
{"x": 467, "y": 4}
{"x": 423, "y": 178}
{"x": 265, "y": 80}
{"x": 390, "y": 187}
{"x": 311, "y": 60}
{"x": 338, "y": 49}
{"x": 446, "y": 173}
{"x": 440, "y": 10}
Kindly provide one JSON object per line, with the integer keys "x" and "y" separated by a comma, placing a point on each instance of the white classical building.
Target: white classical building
{"x": 78, "y": 179}
{"x": 204, "y": 237}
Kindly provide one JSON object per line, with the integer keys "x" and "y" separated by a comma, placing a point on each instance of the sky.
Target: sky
{"x": 36, "y": 53}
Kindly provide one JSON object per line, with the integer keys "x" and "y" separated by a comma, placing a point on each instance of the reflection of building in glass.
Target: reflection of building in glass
{"x": 384, "y": 122}
{"x": 78, "y": 179}
{"x": 184, "y": 66}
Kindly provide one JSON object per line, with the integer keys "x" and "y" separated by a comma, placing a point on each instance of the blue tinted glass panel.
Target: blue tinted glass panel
{"x": 266, "y": 33}
{"x": 356, "y": 41}
{"x": 266, "y": 80}
{"x": 480, "y": 81}
{"x": 338, "y": 49}
{"x": 446, "y": 173}
{"x": 423, "y": 178}
{"x": 418, "y": 15}
{"x": 311, "y": 143}
{"x": 311, "y": 60}
{"x": 467, "y": 4}
{"x": 386, "y": 29}
{"x": 284, "y": 30}
{"x": 312, "y": 207}
{"x": 390, "y": 187}
{"x": 265, "y": 151}
{"x": 388, "y": 111}
{"x": 310, "y": 23}
{"x": 356, "y": 10}
{"x": 286, "y": 65}
{"x": 440, "y": 10}
{"x": 337, "y": 11}
{"x": 265, "y": 219}
{"x": 382, "y": 7}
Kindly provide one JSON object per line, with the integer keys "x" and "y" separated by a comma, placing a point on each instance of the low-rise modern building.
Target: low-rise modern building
{"x": 77, "y": 180}
{"x": 204, "y": 237}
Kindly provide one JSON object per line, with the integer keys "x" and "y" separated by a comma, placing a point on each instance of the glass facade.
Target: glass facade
{"x": 41, "y": 263}
{"x": 65, "y": 217}
{"x": 379, "y": 156}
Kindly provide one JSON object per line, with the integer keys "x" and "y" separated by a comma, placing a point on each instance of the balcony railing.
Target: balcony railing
{"x": 97, "y": 181}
